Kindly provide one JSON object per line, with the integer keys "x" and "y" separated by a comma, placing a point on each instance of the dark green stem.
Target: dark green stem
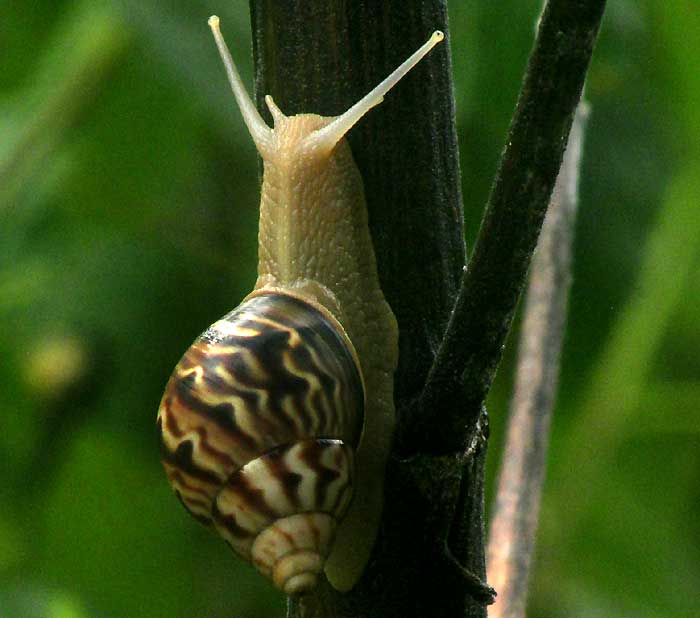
{"x": 472, "y": 347}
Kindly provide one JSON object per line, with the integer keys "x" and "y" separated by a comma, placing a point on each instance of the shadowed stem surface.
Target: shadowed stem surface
{"x": 491, "y": 285}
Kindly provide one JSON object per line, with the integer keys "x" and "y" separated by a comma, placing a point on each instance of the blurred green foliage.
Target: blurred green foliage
{"x": 128, "y": 205}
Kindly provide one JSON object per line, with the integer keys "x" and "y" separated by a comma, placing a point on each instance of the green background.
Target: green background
{"x": 128, "y": 205}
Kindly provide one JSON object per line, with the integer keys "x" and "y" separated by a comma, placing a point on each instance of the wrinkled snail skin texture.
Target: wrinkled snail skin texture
{"x": 276, "y": 424}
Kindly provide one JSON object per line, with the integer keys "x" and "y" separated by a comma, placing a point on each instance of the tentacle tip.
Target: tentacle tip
{"x": 437, "y": 36}
{"x": 213, "y": 22}
{"x": 275, "y": 111}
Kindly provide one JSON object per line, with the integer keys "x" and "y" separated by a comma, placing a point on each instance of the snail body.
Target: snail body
{"x": 276, "y": 424}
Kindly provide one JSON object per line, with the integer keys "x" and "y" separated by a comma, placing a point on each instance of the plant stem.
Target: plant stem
{"x": 491, "y": 285}
{"x": 516, "y": 511}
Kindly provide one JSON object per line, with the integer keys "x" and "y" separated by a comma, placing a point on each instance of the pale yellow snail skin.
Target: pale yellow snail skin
{"x": 314, "y": 244}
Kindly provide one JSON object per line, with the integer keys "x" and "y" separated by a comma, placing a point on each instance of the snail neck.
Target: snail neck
{"x": 313, "y": 233}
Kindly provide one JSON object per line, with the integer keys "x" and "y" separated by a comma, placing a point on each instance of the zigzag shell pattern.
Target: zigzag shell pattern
{"x": 258, "y": 425}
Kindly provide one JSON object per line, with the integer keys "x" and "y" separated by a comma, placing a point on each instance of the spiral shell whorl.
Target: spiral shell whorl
{"x": 259, "y": 423}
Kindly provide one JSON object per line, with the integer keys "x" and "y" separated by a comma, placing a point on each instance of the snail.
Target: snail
{"x": 276, "y": 424}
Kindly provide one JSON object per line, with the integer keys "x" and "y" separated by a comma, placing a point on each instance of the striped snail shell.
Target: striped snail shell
{"x": 258, "y": 425}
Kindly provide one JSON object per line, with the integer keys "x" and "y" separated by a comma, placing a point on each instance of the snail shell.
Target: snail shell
{"x": 259, "y": 424}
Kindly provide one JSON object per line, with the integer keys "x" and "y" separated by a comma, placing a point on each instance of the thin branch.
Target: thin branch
{"x": 491, "y": 285}
{"x": 514, "y": 524}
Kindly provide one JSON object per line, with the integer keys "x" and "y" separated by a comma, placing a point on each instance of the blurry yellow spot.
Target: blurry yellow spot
{"x": 55, "y": 365}
{"x": 65, "y": 607}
